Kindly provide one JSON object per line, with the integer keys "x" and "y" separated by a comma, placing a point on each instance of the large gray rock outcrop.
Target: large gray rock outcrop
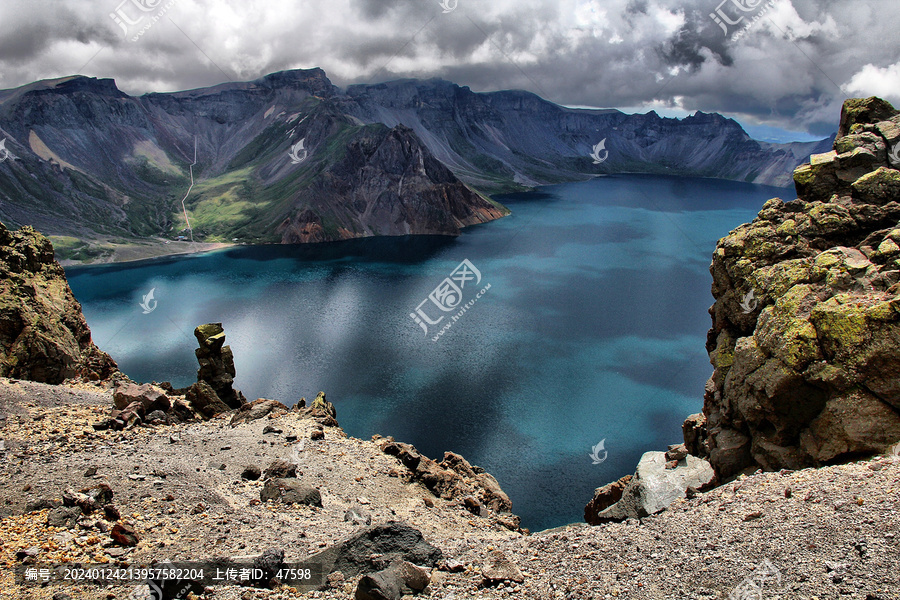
{"x": 655, "y": 486}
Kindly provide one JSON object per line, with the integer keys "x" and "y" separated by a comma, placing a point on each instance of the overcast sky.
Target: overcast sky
{"x": 791, "y": 68}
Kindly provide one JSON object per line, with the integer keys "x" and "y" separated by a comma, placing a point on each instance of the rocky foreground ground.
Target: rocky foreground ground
{"x": 826, "y": 533}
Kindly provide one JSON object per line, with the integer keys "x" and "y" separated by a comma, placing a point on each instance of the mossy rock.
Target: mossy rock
{"x": 817, "y": 181}
{"x": 878, "y": 187}
{"x": 864, "y": 110}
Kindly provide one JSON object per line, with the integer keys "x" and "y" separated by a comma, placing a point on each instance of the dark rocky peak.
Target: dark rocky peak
{"x": 315, "y": 81}
{"x": 93, "y": 85}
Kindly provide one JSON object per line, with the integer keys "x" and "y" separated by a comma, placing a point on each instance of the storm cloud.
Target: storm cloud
{"x": 792, "y": 66}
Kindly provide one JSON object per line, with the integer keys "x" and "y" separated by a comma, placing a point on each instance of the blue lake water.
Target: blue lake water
{"x": 593, "y": 328}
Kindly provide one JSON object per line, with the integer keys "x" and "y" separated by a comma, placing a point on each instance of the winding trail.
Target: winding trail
{"x": 189, "y": 191}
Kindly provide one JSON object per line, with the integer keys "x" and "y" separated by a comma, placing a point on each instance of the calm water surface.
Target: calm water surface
{"x": 593, "y": 329}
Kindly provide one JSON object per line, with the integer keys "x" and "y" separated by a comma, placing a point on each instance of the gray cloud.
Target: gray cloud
{"x": 792, "y": 68}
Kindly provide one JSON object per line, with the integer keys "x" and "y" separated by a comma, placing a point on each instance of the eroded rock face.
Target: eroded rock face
{"x": 806, "y": 324}
{"x": 455, "y": 479}
{"x": 217, "y": 363}
{"x": 43, "y": 334}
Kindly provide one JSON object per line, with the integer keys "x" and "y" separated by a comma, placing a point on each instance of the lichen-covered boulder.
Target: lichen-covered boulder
{"x": 805, "y": 341}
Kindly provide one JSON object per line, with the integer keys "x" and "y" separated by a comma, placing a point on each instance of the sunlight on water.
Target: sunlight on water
{"x": 593, "y": 329}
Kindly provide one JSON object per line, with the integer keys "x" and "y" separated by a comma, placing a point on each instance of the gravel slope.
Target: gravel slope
{"x": 834, "y": 534}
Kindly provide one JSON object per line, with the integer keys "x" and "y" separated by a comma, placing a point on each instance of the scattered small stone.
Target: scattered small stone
{"x": 452, "y": 566}
{"x": 752, "y": 516}
{"x": 290, "y": 438}
{"x": 317, "y": 435}
{"x": 358, "y": 515}
{"x": 271, "y": 429}
{"x": 198, "y": 509}
{"x": 124, "y": 535}
{"x": 499, "y": 568}
{"x": 111, "y": 512}
{"x": 31, "y": 552}
{"x": 251, "y": 472}
{"x": 90, "y": 472}
{"x": 280, "y": 469}
{"x": 63, "y": 517}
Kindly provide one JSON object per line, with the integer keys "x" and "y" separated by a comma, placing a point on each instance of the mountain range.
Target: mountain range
{"x": 291, "y": 158}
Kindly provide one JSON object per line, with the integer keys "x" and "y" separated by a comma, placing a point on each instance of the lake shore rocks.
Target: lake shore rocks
{"x": 182, "y": 508}
{"x": 654, "y": 486}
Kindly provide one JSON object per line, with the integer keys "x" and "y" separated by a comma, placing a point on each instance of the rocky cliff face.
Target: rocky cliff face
{"x": 805, "y": 338}
{"x": 497, "y": 139}
{"x": 386, "y": 183}
{"x": 43, "y": 335}
{"x": 92, "y": 162}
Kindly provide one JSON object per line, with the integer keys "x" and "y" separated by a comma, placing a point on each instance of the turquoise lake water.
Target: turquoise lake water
{"x": 581, "y": 317}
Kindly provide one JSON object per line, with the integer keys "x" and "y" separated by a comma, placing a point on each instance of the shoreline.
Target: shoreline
{"x": 136, "y": 253}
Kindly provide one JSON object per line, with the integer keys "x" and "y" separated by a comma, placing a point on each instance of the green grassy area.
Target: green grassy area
{"x": 71, "y": 248}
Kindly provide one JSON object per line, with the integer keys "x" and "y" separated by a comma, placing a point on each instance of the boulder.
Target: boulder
{"x": 290, "y": 491}
{"x": 375, "y": 548}
{"x": 654, "y": 487}
{"x": 150, "y": 397}
{"x": 124, "y": 535}
{"x": 280, "y": 469}
{"x": 204, "y": 400}
{"x": 251, "y": 472}
{"x": 604, "y": 497}
{"x": 269, "y": 562}
{"x": 66, "y": 517}
{"x": 257, "y": 410}
{"x": 399, "y": 579}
